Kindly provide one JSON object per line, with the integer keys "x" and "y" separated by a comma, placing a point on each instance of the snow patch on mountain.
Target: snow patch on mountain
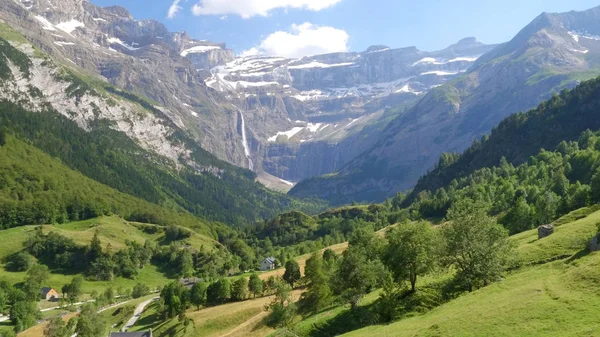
{"x": 315, "y": 64}
{"x": 63, "y": 43}
{"x": 198, "y": 50}
{"x": 70, "y": 26}
{"x": 407, "y": 89}
{"x": 353, "y": 121}
{"x": 46, "y": 25}
{"x": 464, "y": 59}
{"x": 577, "y": 36}
{"x": 431, "y": 60}
{"x": 289, "y": 183}
{"x": 440, "y": 73}
{"x": 289, "y": 134}
{"x": 115, "y": 40}
{"x": 427, "y": 60}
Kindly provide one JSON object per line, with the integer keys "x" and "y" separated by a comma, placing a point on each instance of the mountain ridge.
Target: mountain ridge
{"x": 547, "y": 56}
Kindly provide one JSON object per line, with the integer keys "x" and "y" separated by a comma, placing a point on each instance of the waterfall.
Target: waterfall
{"x": 245, "y": 143}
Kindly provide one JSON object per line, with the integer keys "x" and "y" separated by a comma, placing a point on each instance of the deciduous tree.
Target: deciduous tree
{"x": 475, "y": 245}
{"x": 410, "y": 252}
{"x": 292, "y": 272}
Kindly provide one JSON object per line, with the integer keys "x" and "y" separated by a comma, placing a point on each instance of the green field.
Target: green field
{"x": 112, "y": 231}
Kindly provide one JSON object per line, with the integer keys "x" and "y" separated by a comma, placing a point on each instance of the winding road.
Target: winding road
{"x": 137, "y": 313}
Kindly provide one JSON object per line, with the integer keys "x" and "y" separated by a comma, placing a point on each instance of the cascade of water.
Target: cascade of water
{"x": 245, "y": 143}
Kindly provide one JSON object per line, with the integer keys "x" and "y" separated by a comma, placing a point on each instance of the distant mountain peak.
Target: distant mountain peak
{"x": 377, "y": 48}
{"x": 467, "y": 40}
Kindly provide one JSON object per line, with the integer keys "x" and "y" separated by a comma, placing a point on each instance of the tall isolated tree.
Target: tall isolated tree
{"x": 292, "y": 272}
{"x": 283, "y": 308}
{"x": 36, "y": 277}
{"x": 410, "y": 251}
{"x": 475, "y": 245}
{"x": 73, "y": 290}
{"x": 94, "y": 250}
{"x": 255, "y": 285}
{"x": 2, "y": 137}
{"x": 140, "y": 290}
{"x": 186, "y": 264}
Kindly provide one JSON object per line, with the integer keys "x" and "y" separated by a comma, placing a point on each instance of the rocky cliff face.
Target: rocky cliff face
{"x": 297, "y": 114}
{"x": 139, "y": 56}
{"x": 554, "y": 52}
{"x": 305, "y": 114}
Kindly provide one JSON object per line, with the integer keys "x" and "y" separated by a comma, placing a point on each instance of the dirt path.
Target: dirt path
{"x": 245, "y": 324}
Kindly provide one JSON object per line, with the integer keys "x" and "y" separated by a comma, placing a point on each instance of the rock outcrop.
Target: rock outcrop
{"x": 545, "y": 231}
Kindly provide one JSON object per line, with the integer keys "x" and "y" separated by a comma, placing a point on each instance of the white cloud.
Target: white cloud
{"x": 250, "y": 52}
{"x": 250, "y": 8}
{"x": 174, "y": 9}
{"x": 303, "y": 40}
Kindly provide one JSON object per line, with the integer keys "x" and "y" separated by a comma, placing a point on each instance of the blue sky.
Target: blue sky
{"x": 302, "y": 27}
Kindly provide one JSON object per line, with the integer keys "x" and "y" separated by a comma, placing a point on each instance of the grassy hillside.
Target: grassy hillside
{"x": 233, "y": 319}
{"x": 38, "y": 189}
{"x": 112, "y": 232}
{"x": 554, "y": 292}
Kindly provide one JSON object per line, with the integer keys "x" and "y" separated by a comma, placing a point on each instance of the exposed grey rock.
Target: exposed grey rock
{"x": 594, "y": 244}
{"x": 545, "y": 230}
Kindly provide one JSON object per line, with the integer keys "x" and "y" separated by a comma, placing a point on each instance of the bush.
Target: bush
{"x": 176, "y": 233}
{"x": 20, "y": 261}
{"x": 140, "y": 290}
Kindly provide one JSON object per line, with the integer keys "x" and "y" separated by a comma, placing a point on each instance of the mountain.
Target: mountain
{"x": 563, "y": 118}
{"x": 307, "y": 115}
{"x": 554, "y": 52}
{"x": 122, "y": 140}
{"x": 285, "y": 119}
{"x": 139, "y": 56}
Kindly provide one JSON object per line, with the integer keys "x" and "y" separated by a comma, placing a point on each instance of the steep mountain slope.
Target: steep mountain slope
{"x": 289, "y": 118}
{"x": 139, "y": 56}
{"x": 37, "y": 189}
{"x": 554, "y": 52}
{"x": 122, "y": 140}
{"x": 563, "y": 118}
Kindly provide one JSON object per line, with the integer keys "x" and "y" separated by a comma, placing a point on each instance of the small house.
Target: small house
{"x": 49, "y": 294}
{"x": 267, "y": 264}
